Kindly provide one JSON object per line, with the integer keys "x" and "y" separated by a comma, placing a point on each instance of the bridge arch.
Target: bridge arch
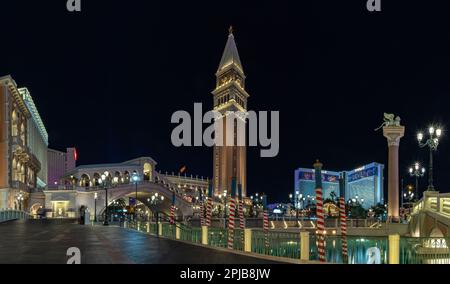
{"x": 145, "y": 191}
{"x": 96, "y": 179}
{"x": 85, "y": 180}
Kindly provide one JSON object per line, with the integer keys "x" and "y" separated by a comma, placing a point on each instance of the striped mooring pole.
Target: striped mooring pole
{"x": 241, "y": 209}
{"x": 209, "y": 206}
{"x": 202, "y": 210}
{"x": 172, "y": 209}
{"x": 343, "y": 228}
{"x": 231, "y": 214}
{"x": 319, "y": 212}
{"x": 265, "y": 222}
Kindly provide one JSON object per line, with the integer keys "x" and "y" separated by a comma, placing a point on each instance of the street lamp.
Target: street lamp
{"x": 155, "y": 200}
{"x": 432, "y": 142}
{"x": 135, "y": 179}
{"x": 417, "y": 172}
{"x": 105, "y": 180}
{"x": 20, "y": 200}
{"x": 95, "y": 206}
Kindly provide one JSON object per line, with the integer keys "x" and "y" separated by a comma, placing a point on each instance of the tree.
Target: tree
{"x": 379, "y": 210}
{"x": 357, "y": 211}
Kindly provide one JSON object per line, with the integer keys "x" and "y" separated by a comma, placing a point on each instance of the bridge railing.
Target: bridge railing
{"x": 433, "y": 201}
{"x": 424, "y": 250}
{"x": 10, "y": 214}
{"x": 303, "y": 246}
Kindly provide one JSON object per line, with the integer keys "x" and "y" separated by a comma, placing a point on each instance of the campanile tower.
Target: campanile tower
{"x": 230, "y": 95}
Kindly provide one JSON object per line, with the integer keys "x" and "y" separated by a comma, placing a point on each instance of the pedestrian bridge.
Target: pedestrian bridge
{"x": 93, "y": 198}
{"x": 431, "y": 215}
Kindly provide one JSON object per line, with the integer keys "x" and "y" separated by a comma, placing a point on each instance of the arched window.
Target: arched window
{"x": 147, "y": 171}
{"x": 85, "y": 180}
{"x": 126, "y": 177}
{"x": 96, "y": 180}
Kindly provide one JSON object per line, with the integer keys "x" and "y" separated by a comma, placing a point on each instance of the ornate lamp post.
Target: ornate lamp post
{"x": 295, "y": 200}
{"x": 417, "y": 172}
{"x": 20, "y": 200}
{"x": 155, "y": 200}
{"x": 95, "y": 206}
{"x": 135, "y": 179}
{"x": 432, "y": 142}
{"x": 106, "y": 181}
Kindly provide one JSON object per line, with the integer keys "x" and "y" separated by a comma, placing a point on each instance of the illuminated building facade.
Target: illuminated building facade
{"x": 230, "y": 95}
{"x": 305, "y": 183}
{"x": 23, "y": 146}
{"x": 59, "y": 163}
{"x": 364, "y": 184}
{"x": 37, "y": 138}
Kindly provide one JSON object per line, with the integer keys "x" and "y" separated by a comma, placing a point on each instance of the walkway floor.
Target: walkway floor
{"x": 32, "y": 242}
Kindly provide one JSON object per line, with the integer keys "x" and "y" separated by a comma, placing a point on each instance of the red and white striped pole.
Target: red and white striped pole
{"x": 231, "y": 223}
{"x": 209, "y": 206}
{"x": 265, "y": 222}
{"x": 231, "y": 214}
{"x": 241, "y": 215}
{"x": 172, "y": 209}
{"x": 208, "y": 211}
{"x": 172, "y": 214}
{"x": 343, "y": 227}
{"x": 266, "y": 227}
{"x": 241, "y": 209}
{"x": 320, "y": 225}
{"x": 202, "y": 210}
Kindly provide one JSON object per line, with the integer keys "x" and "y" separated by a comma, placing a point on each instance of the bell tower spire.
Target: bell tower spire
{"x": 230, "y": 95}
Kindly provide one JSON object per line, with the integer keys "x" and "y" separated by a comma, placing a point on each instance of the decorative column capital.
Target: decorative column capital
{"x": 393, "y": 134}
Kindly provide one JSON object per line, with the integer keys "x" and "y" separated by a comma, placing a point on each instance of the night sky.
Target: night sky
{"x": 108, "y": 79}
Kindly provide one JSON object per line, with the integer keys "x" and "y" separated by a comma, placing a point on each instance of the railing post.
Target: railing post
{"x": 247, "y": 240}
{"x": 177, "y": 232}
{"x": 304, "y": 245}
{"x": 394, "y": 249}
{"x": 204, "y": 235}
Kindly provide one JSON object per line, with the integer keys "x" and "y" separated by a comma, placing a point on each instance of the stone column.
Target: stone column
{"x": 393, "y": 135}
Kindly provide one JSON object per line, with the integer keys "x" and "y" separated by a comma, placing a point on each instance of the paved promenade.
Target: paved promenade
{"x": 34, "y": 242}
